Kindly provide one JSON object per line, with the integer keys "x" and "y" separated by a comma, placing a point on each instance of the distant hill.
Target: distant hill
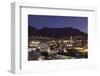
{"x": 55, "y": 32}
{"x": 32, "y": 31}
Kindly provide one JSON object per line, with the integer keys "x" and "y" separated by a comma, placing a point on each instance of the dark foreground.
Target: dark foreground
{"x": 44, "y": 55}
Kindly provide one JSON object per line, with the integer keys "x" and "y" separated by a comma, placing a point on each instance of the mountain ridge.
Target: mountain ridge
{"x": 55, "y": 32}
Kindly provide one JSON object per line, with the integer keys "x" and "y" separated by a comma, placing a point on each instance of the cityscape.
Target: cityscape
{"x": 57, "y": 37}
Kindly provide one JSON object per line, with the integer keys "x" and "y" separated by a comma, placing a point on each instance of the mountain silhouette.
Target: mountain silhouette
{"x": 55, "y": 32}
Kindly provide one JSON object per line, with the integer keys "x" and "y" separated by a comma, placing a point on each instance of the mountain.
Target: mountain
{"x": 55, "y": 32}
{"x": 32, "y": 31}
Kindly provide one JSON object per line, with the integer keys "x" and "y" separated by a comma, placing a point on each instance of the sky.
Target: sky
{"x": 40, "y": 21}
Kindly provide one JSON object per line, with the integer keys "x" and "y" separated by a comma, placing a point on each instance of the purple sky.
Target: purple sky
{"x": 40, "y": 21}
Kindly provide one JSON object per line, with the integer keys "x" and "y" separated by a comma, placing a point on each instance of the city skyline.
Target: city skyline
{"x": 57, "y": 37}
{"x": 40, "y": 21}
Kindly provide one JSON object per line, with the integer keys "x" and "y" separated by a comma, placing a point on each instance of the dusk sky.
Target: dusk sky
{"x": 40, "y": 21}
